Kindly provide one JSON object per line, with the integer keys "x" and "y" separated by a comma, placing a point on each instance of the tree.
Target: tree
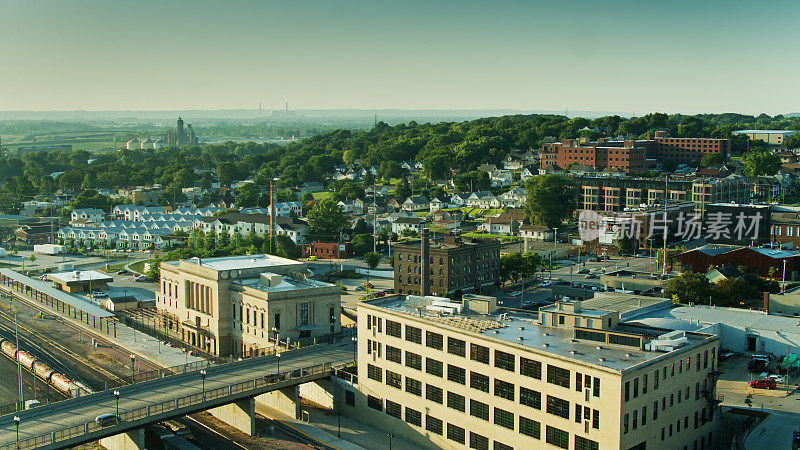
{"x": 792, "y": 141}
{"x": 551, "y": 199}
{"x": 361, "y": 244}
{"x": 517, "y": 266}
{"x": 372, "y": 259}
{"x": 689, "y": 287}
{"x": 286, "y": 248}
{"x": 247, "y": 195}
{"x": 327, "y": 218}
{"x": 154, "y": 272}
{"x": 403, "y": 189}
{"x": 711, "y": 159}
{"x": 758, "y": 163}
{"x": 771, "y": 271}
{"x": 409, "y": 232}
{"x": 360, "y": 226}
{"x": 625, "y": 245}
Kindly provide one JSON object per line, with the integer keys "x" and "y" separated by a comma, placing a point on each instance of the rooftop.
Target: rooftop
{"x": 80, "y": 276}
{"x": 523, "y": 329}
{"x": 240, "y": 262}
{"x": 269, "y": 282}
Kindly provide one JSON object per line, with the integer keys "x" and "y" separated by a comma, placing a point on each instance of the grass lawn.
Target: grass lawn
{"x": 501, "y": 237}
{"x": 421, "y": 213}
{"x": 321, "y": 195}
{"x": 138, "y": 266}
{"x": 113, "y": 267}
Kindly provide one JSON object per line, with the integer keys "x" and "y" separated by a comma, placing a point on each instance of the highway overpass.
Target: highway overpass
{"x": 228, "y": 391}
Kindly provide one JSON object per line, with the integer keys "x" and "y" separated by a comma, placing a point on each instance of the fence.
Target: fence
{"x": 165, "y": 408}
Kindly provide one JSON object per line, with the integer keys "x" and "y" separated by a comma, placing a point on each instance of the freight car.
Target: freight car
{"x": 58, "y": 381}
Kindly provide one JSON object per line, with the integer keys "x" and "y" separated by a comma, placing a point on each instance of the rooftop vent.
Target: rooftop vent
{"x": 599, "y": 347}
{"x": 520, "y": 338}
{"x": 496, "y": 331}
{"x": 627, "y": 355}
{"x": 601, "y": 359}
{"x": 572, "y": 352}
{"x": 521, "y": 328}
{"x": 545, "y": 345}
{"x": 573, "y": 340}
{"x": 545, "y": 334}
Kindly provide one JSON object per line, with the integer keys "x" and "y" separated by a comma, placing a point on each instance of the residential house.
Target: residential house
{"x": 347, "y": 206}
{"x": 458, "y": 200}
{"x": 506, "y": 223}
{"x": 437, "y": 204}
{"x": 500, "y": 178}
{"x": 402, "y": 223}
{"x": 416, "y": 203}
{"x": 90, "y": 214}
{"x": 515, "y": 198}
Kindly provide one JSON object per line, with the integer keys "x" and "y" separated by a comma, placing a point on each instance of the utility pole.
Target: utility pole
{"x": 666, "y": 200}
{"x": 21, "y": 395}
{"x": 272, "y": 215}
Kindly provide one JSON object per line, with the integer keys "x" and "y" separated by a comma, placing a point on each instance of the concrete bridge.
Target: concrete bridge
{"x": 227, "y": 391}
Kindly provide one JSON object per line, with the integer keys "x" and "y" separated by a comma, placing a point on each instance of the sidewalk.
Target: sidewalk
{"x": 324, "y": 425}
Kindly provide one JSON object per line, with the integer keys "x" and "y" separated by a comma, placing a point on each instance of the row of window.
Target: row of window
{"x": 683, "y": 365}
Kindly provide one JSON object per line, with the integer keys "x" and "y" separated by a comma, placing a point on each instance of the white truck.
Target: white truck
{"x": 49, "y": 249}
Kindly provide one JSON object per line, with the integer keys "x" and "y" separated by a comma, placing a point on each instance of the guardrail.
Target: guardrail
{"x": 162, "y": 408}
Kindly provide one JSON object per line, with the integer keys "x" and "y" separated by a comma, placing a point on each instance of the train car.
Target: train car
{"x": 61, "y": 383}
{"x": 42, "y": 370}
{"x": 26, "y": 359}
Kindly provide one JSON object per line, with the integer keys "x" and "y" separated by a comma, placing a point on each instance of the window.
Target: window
{"x": 479, "y": 381}
{"x": 394, "y": 354}
{"x": 627, "y": 390}
{"x": 504, "y": 389}
{"x": 479, "y": 409}
{"x": 414, "y": 360}
{"x": 456, "y": 346}
{"x": 413, "y": 417}
{"x": 530, "y": 427}
{"x": 579, "y": 382}
{"x": 393, "y": 328}
{"x": 413, "y": 334}
{"x": 456, "y": 374}
{"x": 558, "y": 376}
{"x": 394, "y": 409}
{"x": 479, "y": 353}
{"x": 434, "y": 367}
{"x": 503, "y": 360}
{"x": 529, "y": 397}
{"x": 433, "y": 340}
{"x": 434, "y": 394}
{"x": 655, "y": 410}
{"x": 499, "y": 446}
{"x": 457, "y": 402}
{"x": 625, "y": 424}
{"x": 530, "y": 368}
{"x": 277, "y": 321}
{"x": 413, "y": 386}
{"x": 635, "y": 418}
{"x": 394, "y": 380}
{"x": 331, "y": 315}
{"x": 595, "y": 419}
{"x": 455, "y": 433}
{"x": 635, "y": 387}
{"x": 557, "y": 407}
{"x": 374, "y": 373}
{"x": 504, "y": 418}
{"x": 350, "y": 398}
{"x": 596, "y": 387}
{"x": 304, "y": 314}
{"x": 478, "y": 442}
{"x": 578, "y": 413}
{"x": 644, "y": 415}
{"x": 655, "y": 380}
{"x": 433, "y": 424}
{"x": 556, "y": 437}
{"x": 581, "y": 443}
{"x": 644, "y": 384}
{"x": 374, "y": 403}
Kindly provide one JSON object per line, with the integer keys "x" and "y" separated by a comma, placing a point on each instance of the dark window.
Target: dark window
{"x": 504, "y": 418}
{"x": 433, "y": 425}
{"x": 434, "y": 367}
{"x": 374, "y": 403}
{"x": 374, "y": 373}
{"x": 479, "y": 409}
{"x": 596, "y": 387}
{"x": 530, "y": 427}
{"x": 457, "y": 402}
{"x": 413, "y": 334}
{"x": 455, "y": 433}
{"x": 456, "y": 374}
{"x": 529, "y": 397}
{"x": 557, "y": 407}
{"x": 433, "y": 340}
{"x": 595, "y": 419}
{"x": 479, "y": 381}
{"x": 434, "y": 393}
{"x": 394, "y": 354}
{"x": 479, "y": 353}
{"x": 394, "y": 409}
{"x": 413, "y": 417}
{"x": 350, "y": 398}
{"x": 503, "y": 360}
{"x": 530, "y": 368}
{"x": 393, "y": 329}
{"x": 413, "y": 360}
{"x": 627, "y": 391}
{"x": 394, "y": 380}
{"x": 579, "y": 382}
{"x": 456, "y": 346}
{"x": 558, "y": 376}
{"x": 504, "y": 389}
{"x": 499, "y": 446}
{"x": 413, "y": 386}
{"x": 581, "y": 443}
{"x": 554, "y": 436}
{"x": 478, "y": 442}
{"x": 277, "y": 321}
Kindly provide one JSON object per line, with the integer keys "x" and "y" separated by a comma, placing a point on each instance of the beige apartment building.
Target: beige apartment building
{"x": 459, "y": 375}
{"x": 240, "y": 305}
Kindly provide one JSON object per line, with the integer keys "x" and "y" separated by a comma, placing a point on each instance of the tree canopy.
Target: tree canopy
{"x": 326, "y": 218}
{"x": 551, "y": 199}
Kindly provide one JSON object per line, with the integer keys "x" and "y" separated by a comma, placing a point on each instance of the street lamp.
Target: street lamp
{"x": 133, "y": 364}
{"x": 278, "y": 355}
{"x": 116, "y": 396}
{"x": 203, "y": 377}
{"x": 354, "y": 349}
{"x": 390, "y": 436}
{"x": 16, "y": 422}
{"x": 277, "y": 337}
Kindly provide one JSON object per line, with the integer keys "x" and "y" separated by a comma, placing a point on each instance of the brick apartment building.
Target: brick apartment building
{"x": 453, "y": 266}
{"x": 631, "y": 156}
{"x": 329, "y": 250}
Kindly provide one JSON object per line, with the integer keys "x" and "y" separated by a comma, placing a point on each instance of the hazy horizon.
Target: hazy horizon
{"x": 673, "y": 57}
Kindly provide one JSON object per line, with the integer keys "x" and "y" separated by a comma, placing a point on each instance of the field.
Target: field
{"x": 95, "y": 141}
{"x": 321, "y": 195}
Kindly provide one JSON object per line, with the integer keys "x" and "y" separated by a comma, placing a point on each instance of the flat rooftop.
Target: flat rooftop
{"x": 511, "y": 326}
{"x": 240, "y": 262}
{"x": 286, "y": 284}
{"x": 78, "y": 276}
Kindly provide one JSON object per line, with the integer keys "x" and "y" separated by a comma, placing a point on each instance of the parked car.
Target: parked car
{"x": 590, "y": 276}
{"x": 122, "y": 272}
{"x": 757, "y": 365}
{"x": 98, "y": 294}
{"x": 106, "y": 420}
{"x": 777, "y": 377}
{"x": 763, "y": 383}
{"x": 514, "y": 294}
{"x": 583, "y": 271}
{"x": 592, "y": 259}
{"x": 141, "y": 278}
{"x": 546, "y": 283}
{"x": 359, "y": 288}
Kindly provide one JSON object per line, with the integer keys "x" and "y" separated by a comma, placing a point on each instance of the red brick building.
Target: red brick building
{"x": 330, "y": 250}
{"x": 757, "y": 260}
{"x": 631, "y": 156}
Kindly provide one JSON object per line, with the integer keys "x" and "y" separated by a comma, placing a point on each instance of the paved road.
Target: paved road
{"x": 773, "y": 433}
{"x": 48, "y": 418}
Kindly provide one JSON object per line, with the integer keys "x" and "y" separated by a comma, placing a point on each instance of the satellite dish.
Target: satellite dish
{"x": 223, "y": 275}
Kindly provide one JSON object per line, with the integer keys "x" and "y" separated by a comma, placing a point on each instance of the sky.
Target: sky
{"x": 614, "y": 55}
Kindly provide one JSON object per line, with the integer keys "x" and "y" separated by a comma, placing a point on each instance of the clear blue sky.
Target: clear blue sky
{"x": 669, "y": 55}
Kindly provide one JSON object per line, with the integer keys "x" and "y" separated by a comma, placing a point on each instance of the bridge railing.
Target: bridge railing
{"x": 175, "y": 404}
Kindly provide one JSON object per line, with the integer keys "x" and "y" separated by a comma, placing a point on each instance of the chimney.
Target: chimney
{"x": 766, "y": 302}
{"x": 425, "y": 263}
{"x": 648, "y": 135}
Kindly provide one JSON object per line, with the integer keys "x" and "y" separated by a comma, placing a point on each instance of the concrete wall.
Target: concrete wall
{"x": 285, "y": 400}
{"x": 129, "y": 440}
{"x": 321, "y": 392}
{"x": 240, "y": 415}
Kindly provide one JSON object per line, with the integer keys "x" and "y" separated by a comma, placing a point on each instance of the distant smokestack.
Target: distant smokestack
{"x": 286, "y": 106}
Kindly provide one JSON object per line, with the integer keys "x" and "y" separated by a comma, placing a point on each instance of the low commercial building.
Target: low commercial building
{"x": 764, "y": 262}
{"x": 242, "y": 305}
{"x": 464, "y": 375}
{"x": 80, "y": 281}
{"x": 774, "y": 137}
{"x": 330, "y": 250}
